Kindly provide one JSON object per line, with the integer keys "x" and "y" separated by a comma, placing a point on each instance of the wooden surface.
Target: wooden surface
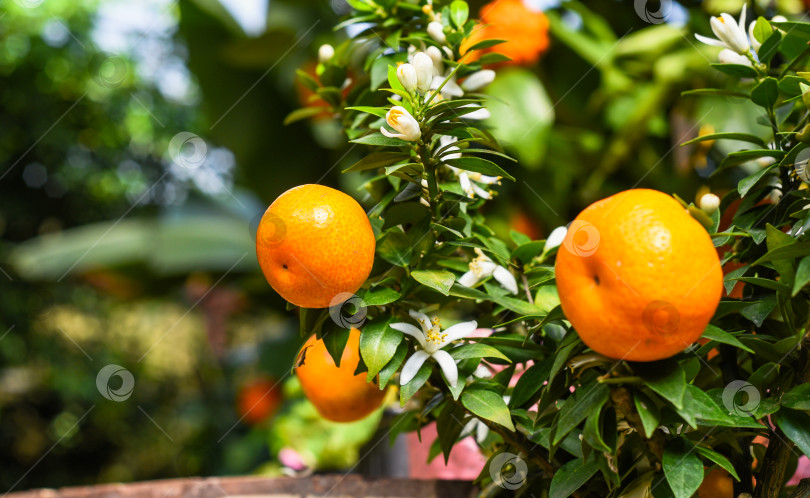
{"x": 334, "y": 486}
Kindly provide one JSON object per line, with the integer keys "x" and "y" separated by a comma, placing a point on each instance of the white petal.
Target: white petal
{"x": 466, "y": 185}
{"x": 459, "y": 331}
{"x": 481, "y": 432}
{"x": 741, "y": 25}
{"x": 477, "y": 114}
{"x": 728, "y": 56}
{"x": 710, "y": 41}
{"x": 407, "y": 328}
{"x": 486, "y": 268}
{"x": 754, "y": 42}
{"x": 448, "y": 366}
{"x": 469, "y": 279}
{"x": 555, "y": 238}
{"x": 481, "y": 192}
{"x": 482, "y": 372}
{"x": 391, "y": 135}
{"x": 478, "y": 79}
{"x": 412, "y": 367}
{"x": 506, "y": 279}
{"x": 423, "y": 320}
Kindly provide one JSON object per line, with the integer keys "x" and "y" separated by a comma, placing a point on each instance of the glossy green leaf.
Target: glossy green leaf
{"x": 379, "y": 296}
{"x": 737, "y": 70}
{"x": 717, "y": 334}
{"x": 530, "y": 382}
{"x": 585, "y": 400}
{"x": 798, "y": 398}
{"x": 440, "y": 280}
{"x": 477, "y": 350}
{"x": 459, "y": 12}
{"x": 335, "y": 341}
{"x": 380, "y": 140}
{"x": 648, "y": 413}
{"x": 378, "y": 344}
{"x": 479, "y": 165}
{"x": 487, "y": 405}
{"x": 392, "y": 366}
{"x": 666, "y": 378}
{"x": 682, "y": 467}
{"x": 802, "y": 277}
{"x": 718, "y": 459}
{"x": 796, "y": 426}
{"x": 407, "y": 391}
{"x": 572, "y": 476}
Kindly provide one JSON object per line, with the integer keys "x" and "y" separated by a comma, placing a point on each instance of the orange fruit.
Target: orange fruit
{"x": 315, "y": 246}
{"x": 336, "y": 392}
{"x": 525, "y": 31}
{"x": 258, "y": 400}
{"x": 638, "y": 277}
{"x": 718, "y": 484}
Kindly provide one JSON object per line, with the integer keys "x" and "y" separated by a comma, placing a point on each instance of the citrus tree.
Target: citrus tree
{"x": 650, "y": 343}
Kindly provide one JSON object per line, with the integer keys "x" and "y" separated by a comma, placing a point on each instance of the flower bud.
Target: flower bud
{"x": 436, "y": 56}
{"x": 406, "y": 74}
{"x": 727, "y": 56}
{"x": 401, "y": 120}
{"x": 325, "y": 53}
{"x": 555, "y": 238}
{"x": 709, "y": 203}
{"x": 436, "y": 31}
{"x": 423, "y": 65}
{"x": 477, "y": 80}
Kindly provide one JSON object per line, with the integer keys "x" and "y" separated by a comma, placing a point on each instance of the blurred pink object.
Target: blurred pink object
{"x": 466, "y": 461}
{"x": 802, "y": 471}
{"x": 291, "y": 459}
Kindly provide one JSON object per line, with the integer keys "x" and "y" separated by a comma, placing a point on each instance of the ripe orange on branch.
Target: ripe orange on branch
{"x": 638, "y": 277}
{"x": 336, "y": 392}
{"x": 315, "y": 246}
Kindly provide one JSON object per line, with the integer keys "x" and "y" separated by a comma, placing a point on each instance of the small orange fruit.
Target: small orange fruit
{"x": 525, "y": 31}
{"x": 258, "y": 400}
{"x": 315, "y": 246}
{"x": 718, "y": 484}
{"x": 638, "y": 277}
{"x": 336, "y": 392}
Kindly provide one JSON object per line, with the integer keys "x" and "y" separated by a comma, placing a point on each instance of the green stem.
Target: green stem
{"x": 621, "y": 380}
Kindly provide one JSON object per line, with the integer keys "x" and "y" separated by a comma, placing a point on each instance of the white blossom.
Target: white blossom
{"x": 431, "y": 340}
{"x": 729, "y": 34}
{"x": 478, "y": 80}
{"x": 401, "y": 120}
{"x": 482, "y": 267}
{"x": 325, "y": 53}
{"x": 436, "y": 31}
{"x": 423, "y": 65}
{"x": 406, "y": 74}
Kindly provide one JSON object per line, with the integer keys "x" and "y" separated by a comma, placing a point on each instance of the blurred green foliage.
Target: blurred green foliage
{"x": 108, "y": 247}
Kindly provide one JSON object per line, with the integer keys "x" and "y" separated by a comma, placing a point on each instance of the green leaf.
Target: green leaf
{"x": 769, "y": 48}
{"x": 377, "y": 111}
{"x": 766, "y": 92}
{"x": 585, "y": 400}
{"x": 378, "y": 344}
{"x": 743, "y": 137}
{"x": 395, "y": 248}
{"x": 796, "y": 426}
{"x": 682, "y": 468}
{"x": 376, "y": 160}
{"x": 448, "y": 427}
{"x": 718, "y": 459}
{"x": 477, "y": 350}
{"x": 798, "y": 398}
{"x": 600, "y": 430}
{"x": 648, "y": 412}
{"x": 380, "y": 140}
{"x": 666, "y": 378}
{"x": 716, "y": 334}
{"x": 791, "y": 251}
{"x": 379, "y": 296}
{"x": 530, "y": 382}
{"x": 459, "y": 12}
{"x": 802, "y": 277}
{"x": 335, "y": 341}
{"x": 440, "y": 280}
{"x": 737, "y": 70}
{"x": 762, "y": 29}
{"x": 747, "y": 183}
{"x": 572, "y": 476}
{"x": 487, "y": 405}
{"x": 479, "y": 165}
{"x": 303, "y": 113}
{"x": 392, "y": 366}
{"x": 407, "y": 391}
{"x": 484, "y": 44}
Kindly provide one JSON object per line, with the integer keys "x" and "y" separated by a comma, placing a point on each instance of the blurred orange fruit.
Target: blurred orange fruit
{"x": 315, "y": 246}
{"x": 718, "y": 484}
{"x": 638, "y": 277}
{"x": 336, "y": 392}
{"x": 525, "y": 32}
{"x": 524, "y": 223}
{"x": 258, "y": 400}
